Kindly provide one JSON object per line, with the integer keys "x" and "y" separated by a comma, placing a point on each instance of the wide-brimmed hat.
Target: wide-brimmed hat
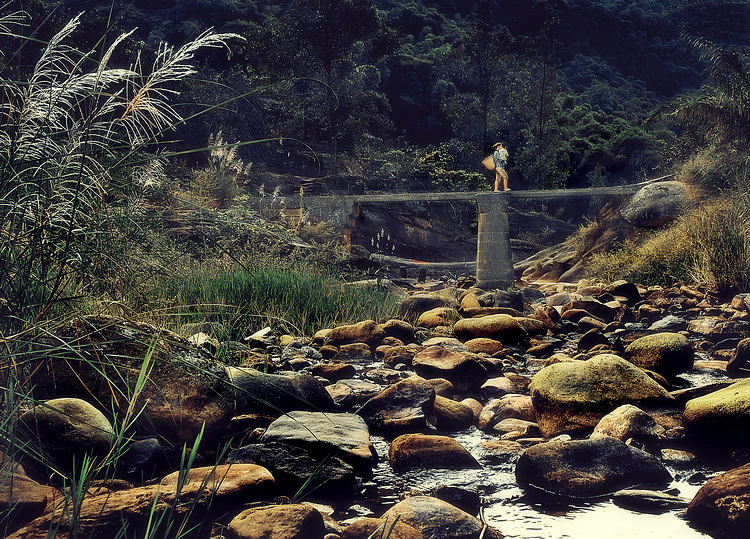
{"x": 497, "y": 144}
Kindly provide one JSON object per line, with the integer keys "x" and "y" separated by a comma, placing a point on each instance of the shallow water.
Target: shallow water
{"x": 506, "y": 508}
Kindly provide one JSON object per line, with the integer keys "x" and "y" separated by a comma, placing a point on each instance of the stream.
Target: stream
{"x": 506, "y": 507}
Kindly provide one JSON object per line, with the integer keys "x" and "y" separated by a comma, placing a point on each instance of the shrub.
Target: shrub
{"x": 216, "y": 185}
{"x": 721, "y": 238}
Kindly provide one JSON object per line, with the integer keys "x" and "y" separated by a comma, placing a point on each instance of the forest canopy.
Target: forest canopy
{"x": 567, "y": 84}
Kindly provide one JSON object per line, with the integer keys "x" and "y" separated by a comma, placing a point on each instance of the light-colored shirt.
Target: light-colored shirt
{"x": 500, "y": 156}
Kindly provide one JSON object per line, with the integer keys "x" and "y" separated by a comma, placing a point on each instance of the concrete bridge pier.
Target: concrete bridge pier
{"x": 494, "y": 264}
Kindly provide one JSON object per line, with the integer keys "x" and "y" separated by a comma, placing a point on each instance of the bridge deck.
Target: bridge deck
{"x": 470, "y": 195}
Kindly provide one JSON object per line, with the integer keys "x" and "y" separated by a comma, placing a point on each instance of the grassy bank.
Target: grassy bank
{"x": 709, "y": 244}
{"x": 297, "y": 299}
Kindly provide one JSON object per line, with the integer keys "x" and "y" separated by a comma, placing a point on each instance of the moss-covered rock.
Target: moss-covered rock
{"x": 574, "y": 396}
{"x": 721, "y": 415}
{"x": 666, "y": 353}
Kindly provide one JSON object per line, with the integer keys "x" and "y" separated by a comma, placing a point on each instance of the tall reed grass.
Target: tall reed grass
{"x": 297, "y": 299}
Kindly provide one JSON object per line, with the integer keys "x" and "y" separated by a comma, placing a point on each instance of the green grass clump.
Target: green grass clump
{"x": 298, "y": 299}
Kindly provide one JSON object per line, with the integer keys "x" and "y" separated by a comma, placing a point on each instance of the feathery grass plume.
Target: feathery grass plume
{"x": 217, "y": 183}
{"x": 58, "y": 129}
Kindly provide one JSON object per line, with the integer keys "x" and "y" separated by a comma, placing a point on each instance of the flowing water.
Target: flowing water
{"x": 507, "y": 509}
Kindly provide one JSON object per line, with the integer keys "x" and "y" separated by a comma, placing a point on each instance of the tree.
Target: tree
{"x": 720, "y": 110}
{"x": 319, "y": 37}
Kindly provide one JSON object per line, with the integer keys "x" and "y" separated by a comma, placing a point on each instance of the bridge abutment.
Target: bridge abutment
{"x": 494, "y": 264}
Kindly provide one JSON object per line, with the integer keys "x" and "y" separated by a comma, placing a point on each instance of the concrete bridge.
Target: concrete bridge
{"x": 493, "y": 260}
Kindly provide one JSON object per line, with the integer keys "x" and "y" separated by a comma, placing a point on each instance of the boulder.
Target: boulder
{"x": 666, "y": 353}
{"x": 656, "y": 204}
{"x": 501, "y": 327}
{"x": 628, "y": 421}
{"x": 352, "y": 391}
{"x": 22, "y": 499}
{"x": 357, "y": 353}
{"x": 587, "y": 468}
{"x": 437, "y": 519}
{"x": 429, "y": 451}
{"x": 723, "y": 415}
{"x": 334, "y": 371}
{"x": 205, "y": 495}
{"x": 483, "y": 345}
{"x": 574, "y": 396}
{"x": 532, "y": 326}
{"x": 440, "y": 316}
{"x": 465, "y": 499}
{"x": 602, "y": 311}
{"x": 739, "y": 363}
{"x": 99, "y": 359}
{"x": 470, "y": 302}
{"x": 399, "y": 329}
{"x": 722, "y": 506}
{"x": 369, "y": 528}
{"x": 511, "y": 428}
{"x": 406, "y": 406}
{"x": 255, "y": 391}
{"x": 367, "y": 332}
{"x": 401, "y": 354}
{"x": 415, "y": 305}
{"x": 343, "y": 435}
{"x": 462, "y": 369}
{"x": 651, "y": 501}
{"x": 67, "y": 428}
{"x": 452, "y": 415}
{"x": 507, "y": 406}
{"x": 443, "y": 387}
{"x": 291, "y": 521}
{"x": 297, "y": 470}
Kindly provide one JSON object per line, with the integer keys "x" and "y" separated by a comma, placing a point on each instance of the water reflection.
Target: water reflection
{"x": 508, "y": 510}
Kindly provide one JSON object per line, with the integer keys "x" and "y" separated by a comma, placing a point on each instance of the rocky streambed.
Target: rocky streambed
{"x": 552, "y": 410}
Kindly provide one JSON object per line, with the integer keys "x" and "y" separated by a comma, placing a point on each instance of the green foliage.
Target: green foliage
{"x": 447, "y": 168}
{"x": 298, "y": 299}
{"x": 719, "y": 110}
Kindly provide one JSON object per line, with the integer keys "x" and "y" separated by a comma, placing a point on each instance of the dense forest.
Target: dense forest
{"x": 411, "y": 94}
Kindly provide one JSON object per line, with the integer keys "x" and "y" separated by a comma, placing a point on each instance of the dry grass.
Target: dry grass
{"x": 709, "y": 245}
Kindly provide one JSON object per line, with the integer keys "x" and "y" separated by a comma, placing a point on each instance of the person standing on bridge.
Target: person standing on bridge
{"x": 500, "y": 156}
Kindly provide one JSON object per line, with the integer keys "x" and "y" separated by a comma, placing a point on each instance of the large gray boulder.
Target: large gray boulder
{"x": 297, "y": 470}
{"x": 258, "y": 392}
{"x": 345, "y": 436}
{"x": 406, "y": 406}
{"x": 656, "y": 204}
{"x": 587, "y": 468}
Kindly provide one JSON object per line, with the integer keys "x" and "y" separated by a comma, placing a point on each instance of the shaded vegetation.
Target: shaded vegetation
{"x": 567, "y": 84}
{"x": 298, "y": 300}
